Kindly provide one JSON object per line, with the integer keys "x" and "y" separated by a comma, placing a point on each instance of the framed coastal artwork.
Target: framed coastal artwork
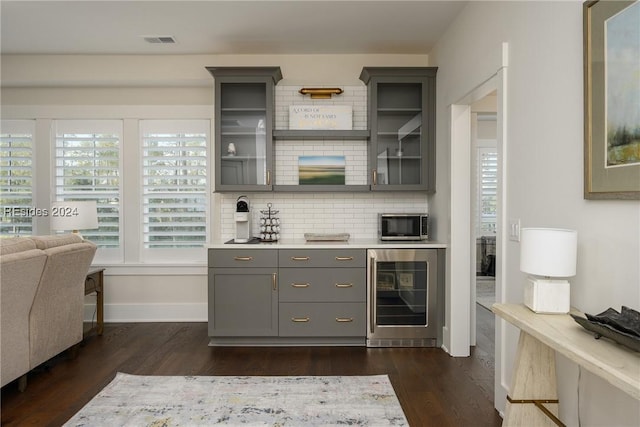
{"x": 611, "y": 32}
{"x": 321, "y": 170}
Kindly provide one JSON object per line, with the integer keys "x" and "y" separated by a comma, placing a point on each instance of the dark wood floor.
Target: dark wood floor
{"x": 485, "y": 335}
{"x": 434, "y": 389}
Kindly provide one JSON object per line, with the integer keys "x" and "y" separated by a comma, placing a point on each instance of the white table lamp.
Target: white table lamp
{"x": 547, "y": 254}
{"x": 74, "y": 216}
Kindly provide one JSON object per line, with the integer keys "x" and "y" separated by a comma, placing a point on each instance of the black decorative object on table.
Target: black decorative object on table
{"x": 623, "y": 327}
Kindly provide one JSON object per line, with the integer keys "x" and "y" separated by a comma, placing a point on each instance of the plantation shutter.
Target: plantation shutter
{"x": 174, "y": 183}
{"x": 488, "y": 186}
{"x": 17, "y": 177}
{"x": 87, "y": 167}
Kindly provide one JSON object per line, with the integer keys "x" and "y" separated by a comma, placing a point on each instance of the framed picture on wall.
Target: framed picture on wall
{"x": 611, "y": 99}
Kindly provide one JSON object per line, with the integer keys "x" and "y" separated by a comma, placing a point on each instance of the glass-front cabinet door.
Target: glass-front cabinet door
{"x": 402, "y": 123}
{"x": 244, "y": 104}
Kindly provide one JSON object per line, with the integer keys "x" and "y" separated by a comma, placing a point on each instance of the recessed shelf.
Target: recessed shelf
{"x": 399, "y": 110}
{"x": 241, "y": 109}
{"x": 238, "y": 158}
{"x": 292, "y": 134}
{"x": 320, "y": 188}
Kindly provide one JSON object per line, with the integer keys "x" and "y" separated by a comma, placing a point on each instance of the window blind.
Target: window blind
{"x": 17, "y": 177}
{"x": 174, "y": 183}
{"x": 87, "y": 167}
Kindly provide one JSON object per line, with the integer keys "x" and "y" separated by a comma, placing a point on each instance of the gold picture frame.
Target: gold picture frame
{"x": 611, "y": 134}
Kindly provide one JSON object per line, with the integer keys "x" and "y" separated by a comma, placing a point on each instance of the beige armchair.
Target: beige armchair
{"x": 49, "y": 314}
{"x": 20, "y": 271}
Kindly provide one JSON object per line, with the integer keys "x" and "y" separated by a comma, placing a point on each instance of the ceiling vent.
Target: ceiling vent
{"x": 159, "y": 39}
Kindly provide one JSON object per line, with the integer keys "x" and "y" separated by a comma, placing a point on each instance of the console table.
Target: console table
{"x": 533, "y": 398}
{"x": 94, "y": 282}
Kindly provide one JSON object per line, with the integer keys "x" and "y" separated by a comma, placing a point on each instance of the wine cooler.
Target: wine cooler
{"x": 403, "y": 295}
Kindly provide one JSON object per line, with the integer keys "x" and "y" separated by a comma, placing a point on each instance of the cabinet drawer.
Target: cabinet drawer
{"x": 322, "y": 319}
{"x": 322, "y": 258}
{"x": 322, "y": 284}
{"x": 243, "y": 258}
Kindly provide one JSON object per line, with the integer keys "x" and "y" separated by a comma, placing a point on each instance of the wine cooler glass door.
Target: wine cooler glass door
{"x": 402, "y": 295}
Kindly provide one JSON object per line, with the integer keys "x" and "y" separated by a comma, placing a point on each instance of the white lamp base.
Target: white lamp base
{"x": 547, "y": 296}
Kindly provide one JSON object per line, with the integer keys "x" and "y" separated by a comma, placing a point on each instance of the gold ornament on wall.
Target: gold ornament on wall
{"x": 320, "y": 92}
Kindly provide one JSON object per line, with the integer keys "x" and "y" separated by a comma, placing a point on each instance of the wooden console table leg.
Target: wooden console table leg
{"x": 533, "y": 400}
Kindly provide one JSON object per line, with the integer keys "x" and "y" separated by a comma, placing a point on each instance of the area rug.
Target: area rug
{"x": 133, "y": 400}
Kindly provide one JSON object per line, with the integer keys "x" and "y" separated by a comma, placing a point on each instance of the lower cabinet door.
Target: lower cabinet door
{"x": 243, "y": 302}
{"x": 322, "y": 319}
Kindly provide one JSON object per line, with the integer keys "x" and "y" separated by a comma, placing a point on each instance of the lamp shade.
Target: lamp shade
{"x": 548, "y": 252}
{"x": 74, "y": 215}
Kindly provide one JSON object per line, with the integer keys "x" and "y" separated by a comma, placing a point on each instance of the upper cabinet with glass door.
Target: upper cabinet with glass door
{"x": 244, "y": 105}
{"x": 402, "y": 122}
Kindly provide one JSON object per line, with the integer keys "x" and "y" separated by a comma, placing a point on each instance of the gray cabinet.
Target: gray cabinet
{"x": 338, "y": 258}
{"x": 244, "y": 104}
{"x": 321, "y": 319}
{"x": 322, "y": 284}
{"x": 401, "y": 116}
{"x": 243, "y": 293}
{"x": 401, "y": 121}
{"x": 322, "y": 293}
{"x": 287, "y": 296}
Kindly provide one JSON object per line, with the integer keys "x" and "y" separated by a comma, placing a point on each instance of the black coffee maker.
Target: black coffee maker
{"x": 243, "y": 220}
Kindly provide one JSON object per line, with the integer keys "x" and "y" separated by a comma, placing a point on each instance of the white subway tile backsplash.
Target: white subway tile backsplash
{"x": 353, "y": 213}
{"x": 355, "y": 96}
{"x": 305, "y": 212}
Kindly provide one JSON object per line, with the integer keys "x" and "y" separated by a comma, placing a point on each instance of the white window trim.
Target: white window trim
{"x": 27, "y": 126}
{"x": 482, "y": 145}
{"x": 131, "y": 114}
{"x": 103, "y": 255}
{"x": 171, "y": 255}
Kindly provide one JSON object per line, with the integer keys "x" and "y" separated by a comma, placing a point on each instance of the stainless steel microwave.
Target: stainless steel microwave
{"x": 403, "y": 226}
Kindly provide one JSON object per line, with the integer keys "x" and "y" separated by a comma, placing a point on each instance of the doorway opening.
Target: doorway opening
{"x": 484, "y": 215}
{"x": 461, "y": 268}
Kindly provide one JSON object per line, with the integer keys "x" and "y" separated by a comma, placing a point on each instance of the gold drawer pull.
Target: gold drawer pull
{"x": 300, "y": 319}
{"x": 344, "y": 258}
{"x": 344, "y": 285}
{"x": 300, "y": 285}
{"x": 344, "y": 319}
{"x": 300, "y": 258}
{"x": 243, "y": 258}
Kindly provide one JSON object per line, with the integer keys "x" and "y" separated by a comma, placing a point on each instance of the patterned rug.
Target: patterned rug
{"x": 133, "y": 400}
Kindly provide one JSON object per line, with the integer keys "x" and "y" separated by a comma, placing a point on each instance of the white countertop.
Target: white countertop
{"x": 350, "y": 244}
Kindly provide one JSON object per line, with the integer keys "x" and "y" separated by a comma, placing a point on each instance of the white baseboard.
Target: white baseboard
{"x": 139, "y": 313}
{"x": 446, "y": 339}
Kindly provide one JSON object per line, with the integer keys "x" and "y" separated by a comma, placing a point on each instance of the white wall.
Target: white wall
{"x": 544, "y": 182}
{"x": 135, "y": 87}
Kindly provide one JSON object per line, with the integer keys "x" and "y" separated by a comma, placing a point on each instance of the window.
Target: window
{"x": 487, "y": 190}
{"x": 175, "y": 193}
{"x": 87, "y": 167}
{"x": 16, "y": 177}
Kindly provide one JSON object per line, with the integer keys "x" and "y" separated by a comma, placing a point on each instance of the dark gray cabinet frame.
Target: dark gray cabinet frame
{"x": 371, "y": 76}
{"x": 426, "y": 77}
{"x": 269, "y": 76}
